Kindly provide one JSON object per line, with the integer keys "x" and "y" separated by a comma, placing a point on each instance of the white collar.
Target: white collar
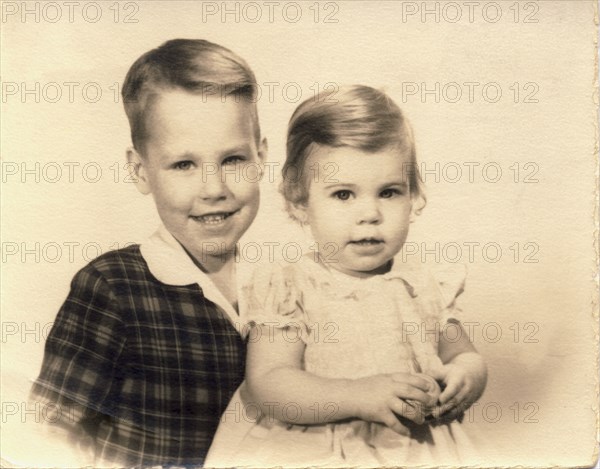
{"x": 170, "y": 264}
{"x": 409, "y": 270}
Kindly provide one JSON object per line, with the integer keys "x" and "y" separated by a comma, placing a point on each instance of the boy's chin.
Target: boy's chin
{"x": 210, "y": 254}
{"x": 223, "y": 254}
{"x": 220, "y": 251}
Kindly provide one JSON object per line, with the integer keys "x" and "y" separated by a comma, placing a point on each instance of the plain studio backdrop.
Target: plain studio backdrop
{"x": 501, "y": 96}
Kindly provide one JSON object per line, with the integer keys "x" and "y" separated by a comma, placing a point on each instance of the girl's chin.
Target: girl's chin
{"x": 363, "y": 269}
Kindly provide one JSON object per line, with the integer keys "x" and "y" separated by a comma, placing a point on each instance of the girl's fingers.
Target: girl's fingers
{"x": 389, "y": 420}
{"x": 456, "y": 403}
{"x": 405, "y": 409}
{"x": 411, "y": 379}
{"x": 443, "y": 409}
{"x": 416, "y": 381}
{"x": 448, "y": 416}
{"x": 406, "y": 391}
{"x": 460, "y": 399}
{"x": 439, "y": 374}
{"x": 396, "y": 425}
{"x": 452, "y": 389}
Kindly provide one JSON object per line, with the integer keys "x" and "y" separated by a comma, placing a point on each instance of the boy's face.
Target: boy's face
{"x": 202, "y": 165}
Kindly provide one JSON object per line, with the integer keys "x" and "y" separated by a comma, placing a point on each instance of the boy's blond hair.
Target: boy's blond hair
{"x": 194, "y": 65}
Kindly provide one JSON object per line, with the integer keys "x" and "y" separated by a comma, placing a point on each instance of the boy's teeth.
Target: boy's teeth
{"x": 212, "y": 218}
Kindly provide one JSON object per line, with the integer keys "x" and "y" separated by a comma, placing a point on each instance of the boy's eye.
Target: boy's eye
{"x": 233, "y": 159}
{"x": 183, "y": 165}
{"x": 389, "y": 193}
{"x": 342, "y": 195}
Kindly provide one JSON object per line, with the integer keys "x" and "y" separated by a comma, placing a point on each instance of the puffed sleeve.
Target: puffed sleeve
{"x": 450, "y": 283}
{"x": 273, "y": 297}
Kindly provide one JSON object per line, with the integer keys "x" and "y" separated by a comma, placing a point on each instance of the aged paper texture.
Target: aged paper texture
{"x": 503, "y": 100}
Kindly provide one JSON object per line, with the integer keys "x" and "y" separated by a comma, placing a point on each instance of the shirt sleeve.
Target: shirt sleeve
{"x": 274, "y": 299}
{"x": 82, "y": 351}
{"x": 450, "y": 283}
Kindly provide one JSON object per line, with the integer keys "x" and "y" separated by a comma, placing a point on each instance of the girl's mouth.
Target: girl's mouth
{"x": 367, "y": 242}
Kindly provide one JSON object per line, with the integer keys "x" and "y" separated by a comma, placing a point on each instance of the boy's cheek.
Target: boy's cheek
{"x": 248, "y": 190}
{"x": 172, "y": 201}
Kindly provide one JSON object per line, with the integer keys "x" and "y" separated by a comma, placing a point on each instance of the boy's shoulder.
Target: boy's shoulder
{"x": 118, "y": 261}
{"x": 116, "y": 267}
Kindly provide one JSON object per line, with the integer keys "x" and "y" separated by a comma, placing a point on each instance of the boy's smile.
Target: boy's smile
{"x": 202, "y": 165}
{"x": 213, "y": 218}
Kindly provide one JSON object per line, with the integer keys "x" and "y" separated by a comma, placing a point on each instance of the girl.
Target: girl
{"x": 346, "y": 348}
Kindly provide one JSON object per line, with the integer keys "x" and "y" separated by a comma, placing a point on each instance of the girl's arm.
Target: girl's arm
{"x": 465, "y": 372}
{"x": 284, "y": 391}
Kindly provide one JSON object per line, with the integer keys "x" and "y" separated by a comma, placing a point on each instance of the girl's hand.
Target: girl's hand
{"x": 382, "y": 398}
{"x": 464, "y": 380}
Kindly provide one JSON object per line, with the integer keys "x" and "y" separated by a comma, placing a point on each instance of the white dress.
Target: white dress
{"x": 352, "y": 328}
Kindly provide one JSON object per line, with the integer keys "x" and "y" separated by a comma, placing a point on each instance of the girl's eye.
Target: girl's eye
{"x": 389, "y": 193}
{"x": 342, "y": 195}
{"x": 233, "y": 159}
{"x": 183, "y": 165}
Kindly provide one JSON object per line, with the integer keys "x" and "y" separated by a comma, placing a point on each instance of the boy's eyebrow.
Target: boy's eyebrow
{"x": 186, "y": 155}
{"x": 340, "y": 184}
{"x": 190, "y": 155}
{"x": 241, "y": 148}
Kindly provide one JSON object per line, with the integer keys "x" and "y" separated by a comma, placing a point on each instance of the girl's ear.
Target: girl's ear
{"x": 298, "y": 212}
{"x": 417, "y": 204}
{"x": 137, "y": 171}
{"x": 413, "y": 212}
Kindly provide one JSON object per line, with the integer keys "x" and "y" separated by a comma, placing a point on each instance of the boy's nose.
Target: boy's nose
{"x": 213, "y": 187}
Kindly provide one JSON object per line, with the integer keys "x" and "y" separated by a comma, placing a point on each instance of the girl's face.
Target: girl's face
{"x": 359, "y": 207}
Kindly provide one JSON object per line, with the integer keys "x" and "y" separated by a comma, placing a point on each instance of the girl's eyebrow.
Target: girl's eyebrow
{"x": 402, "y": 184}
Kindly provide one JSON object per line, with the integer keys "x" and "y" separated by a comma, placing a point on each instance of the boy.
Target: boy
{"x": 144, "y": 352}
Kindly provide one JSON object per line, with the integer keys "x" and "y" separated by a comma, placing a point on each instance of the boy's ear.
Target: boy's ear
{"x": 137, "y": 171}
{"x": 263, "y": 150}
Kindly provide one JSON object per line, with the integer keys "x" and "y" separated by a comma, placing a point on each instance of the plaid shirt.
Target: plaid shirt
{"x": 140, "y": 362}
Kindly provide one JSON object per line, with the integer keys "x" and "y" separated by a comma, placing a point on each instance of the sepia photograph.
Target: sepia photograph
{"x": 299, "y": 234}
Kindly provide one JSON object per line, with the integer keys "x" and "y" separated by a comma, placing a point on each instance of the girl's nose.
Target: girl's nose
{"x": 369, "y": 213}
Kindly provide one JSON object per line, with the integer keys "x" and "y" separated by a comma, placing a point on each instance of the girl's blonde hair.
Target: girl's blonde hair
{"x": 356, "y": 116}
